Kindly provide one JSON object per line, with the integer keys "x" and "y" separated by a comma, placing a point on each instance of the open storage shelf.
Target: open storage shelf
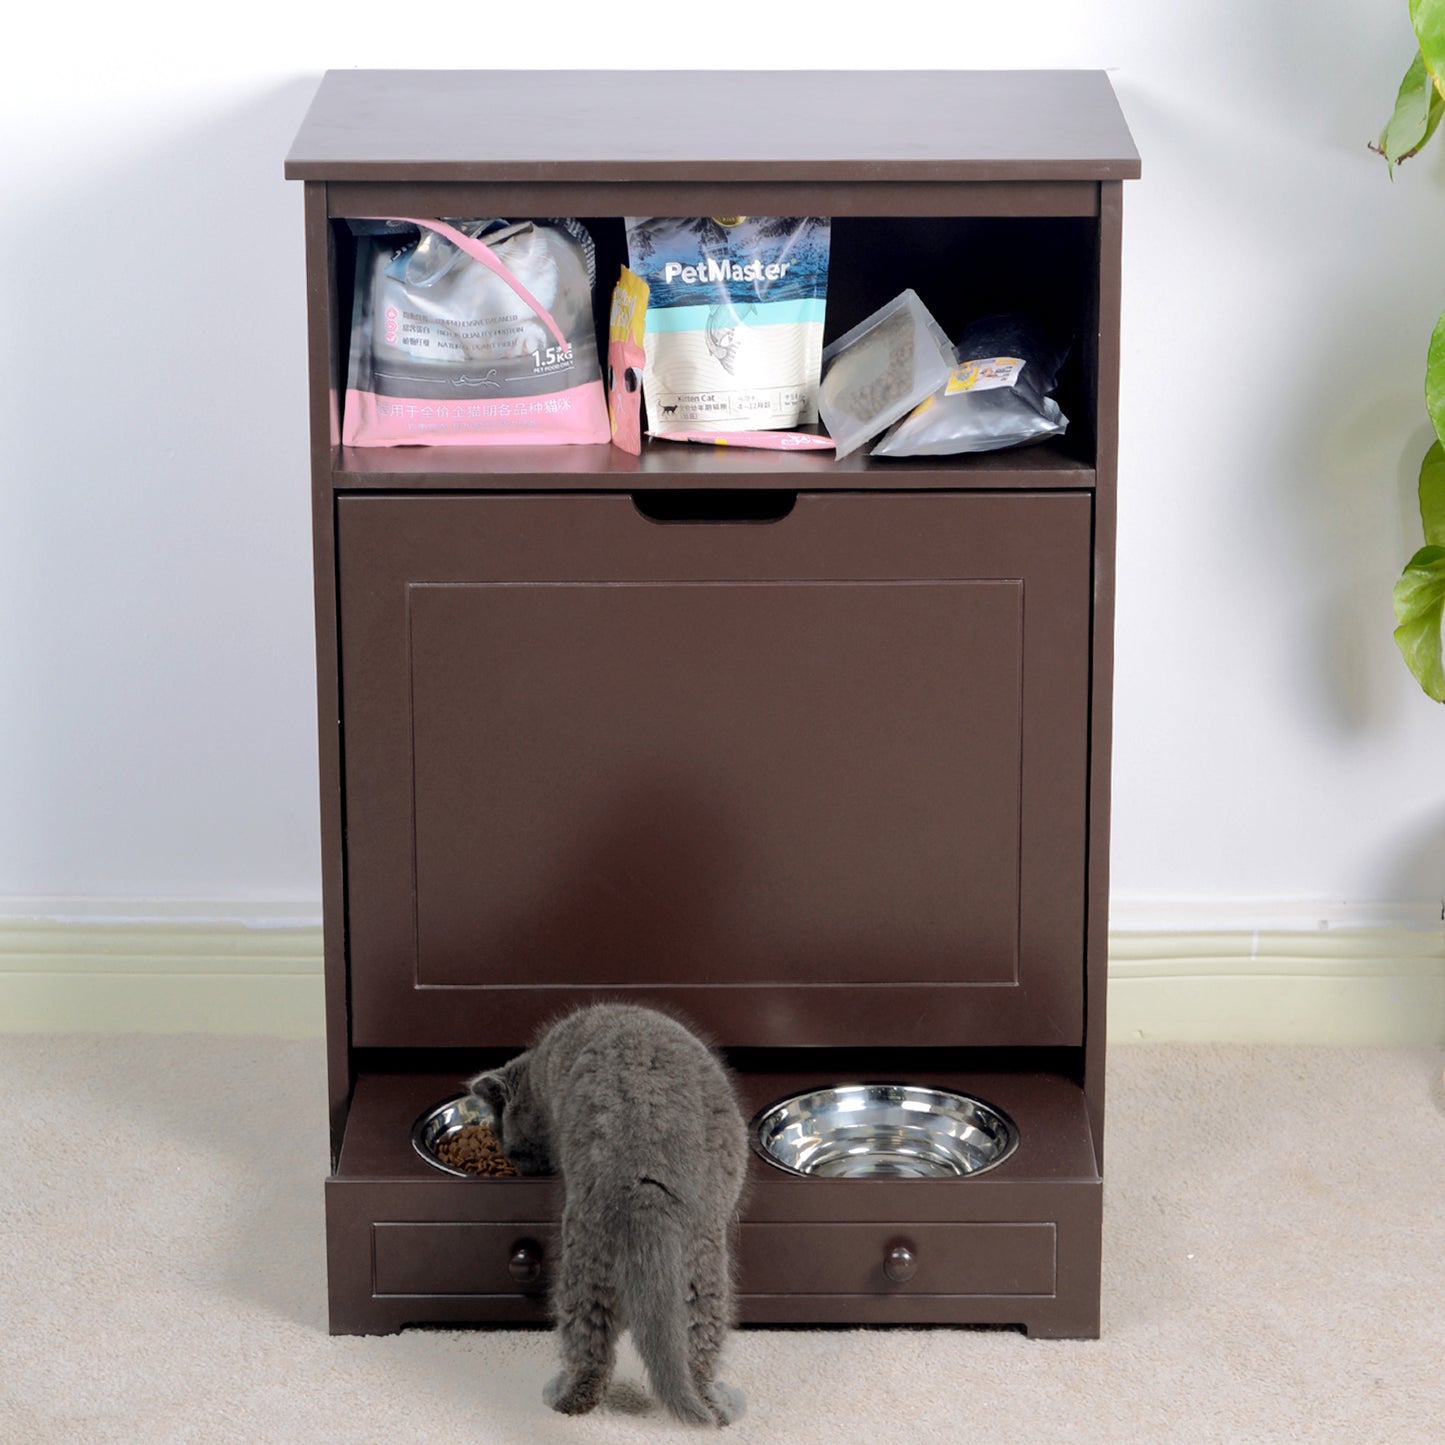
{"x": 962, "y": 268}
{"x": 836, "y": 779}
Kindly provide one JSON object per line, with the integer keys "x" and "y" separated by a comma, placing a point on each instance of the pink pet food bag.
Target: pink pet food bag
{"x": 477, "y": 333}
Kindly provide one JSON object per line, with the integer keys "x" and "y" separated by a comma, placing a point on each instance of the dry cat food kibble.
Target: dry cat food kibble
{"x": 474, "y": 1148}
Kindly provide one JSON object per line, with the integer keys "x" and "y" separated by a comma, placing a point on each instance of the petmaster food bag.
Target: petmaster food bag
{"x": 734, "y": 319}
{"x": 477, "y": 333}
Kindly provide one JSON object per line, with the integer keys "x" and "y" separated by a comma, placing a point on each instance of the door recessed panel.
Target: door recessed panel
{"x": 720, "y": 782}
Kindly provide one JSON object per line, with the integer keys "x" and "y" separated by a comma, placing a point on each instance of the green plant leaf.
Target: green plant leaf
{"x": 1437, "y": 109}
{"x": 1432, "y": 496}
{"x": 1435, "y": 378}
{"x": 1419, "y": 603}
{"x": 1418, "y": 107}
{"x": 1428, "y": 18}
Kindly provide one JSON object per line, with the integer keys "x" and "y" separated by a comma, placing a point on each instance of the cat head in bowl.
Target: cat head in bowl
{"x": 519, "y": 1121}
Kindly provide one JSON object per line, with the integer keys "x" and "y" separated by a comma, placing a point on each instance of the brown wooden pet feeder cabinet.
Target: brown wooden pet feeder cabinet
{"x": 816, "y": 753}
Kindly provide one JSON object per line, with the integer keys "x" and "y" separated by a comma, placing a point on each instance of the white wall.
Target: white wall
{"x": 156, "y": 693}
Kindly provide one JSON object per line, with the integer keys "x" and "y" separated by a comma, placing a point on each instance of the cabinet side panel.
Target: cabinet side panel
{"x": 323, "y": 363}
{"x": 1101, "y": 713}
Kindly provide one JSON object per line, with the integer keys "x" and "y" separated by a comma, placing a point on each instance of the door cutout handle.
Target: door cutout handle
{"x": 711, "y": 507}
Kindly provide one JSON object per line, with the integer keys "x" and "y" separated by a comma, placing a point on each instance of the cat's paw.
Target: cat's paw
{"x": 727, "y": 1402}
{"x": 570, "y": 1396}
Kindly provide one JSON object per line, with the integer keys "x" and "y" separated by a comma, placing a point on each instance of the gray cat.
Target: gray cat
{"x": 639, "y": 1118}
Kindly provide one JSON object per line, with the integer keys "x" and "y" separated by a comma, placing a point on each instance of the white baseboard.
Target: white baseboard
{"x": 1264, "y": 972}
{"x": 159, "y": 967}
{"x": 1277, "y": 973}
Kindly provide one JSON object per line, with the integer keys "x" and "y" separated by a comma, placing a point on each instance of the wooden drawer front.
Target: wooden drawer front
{"x": 983, "y": 1259}
{"x": 987, "y": 1259}
{"x": 457, "y": 1259}
{"x": 811, "y": 781}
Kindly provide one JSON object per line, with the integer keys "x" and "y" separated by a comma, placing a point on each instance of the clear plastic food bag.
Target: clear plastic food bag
{"x": 881, "y": 369}
{"x": 998, "y": 395}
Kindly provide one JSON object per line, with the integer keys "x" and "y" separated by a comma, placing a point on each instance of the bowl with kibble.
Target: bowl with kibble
{"x": 457, "y": 1138}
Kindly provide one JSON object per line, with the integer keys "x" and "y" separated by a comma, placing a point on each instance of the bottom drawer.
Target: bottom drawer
{"x": 797, "y": 1259}
{"x": 954, "y": 1259}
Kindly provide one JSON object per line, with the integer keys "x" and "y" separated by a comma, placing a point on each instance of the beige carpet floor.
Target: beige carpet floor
{"x": 1274, "y": 1269}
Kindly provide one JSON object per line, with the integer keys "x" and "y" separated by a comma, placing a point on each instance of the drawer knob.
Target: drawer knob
{"x": 900, "y": 1263}
{"x": 525, "y": 1265}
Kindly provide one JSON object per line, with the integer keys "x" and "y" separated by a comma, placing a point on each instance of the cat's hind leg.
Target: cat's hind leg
{"x": 585, "y": 1305}
{"x": 727, "y": 1402}
{"x": 710, "y": 1316}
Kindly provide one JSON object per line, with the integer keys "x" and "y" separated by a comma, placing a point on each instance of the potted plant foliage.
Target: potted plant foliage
{"x": 1420, "y": 592}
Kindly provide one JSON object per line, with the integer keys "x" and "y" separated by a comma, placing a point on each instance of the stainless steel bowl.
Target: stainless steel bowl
{"x": 439, "y": 1124}
{"x": 884, "y": 1131}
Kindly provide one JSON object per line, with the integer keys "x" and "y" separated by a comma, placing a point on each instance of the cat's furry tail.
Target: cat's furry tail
{"x": 652, "y": 1280}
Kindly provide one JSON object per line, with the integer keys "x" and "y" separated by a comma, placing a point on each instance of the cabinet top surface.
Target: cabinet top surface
{"x": 591, "y": 125}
